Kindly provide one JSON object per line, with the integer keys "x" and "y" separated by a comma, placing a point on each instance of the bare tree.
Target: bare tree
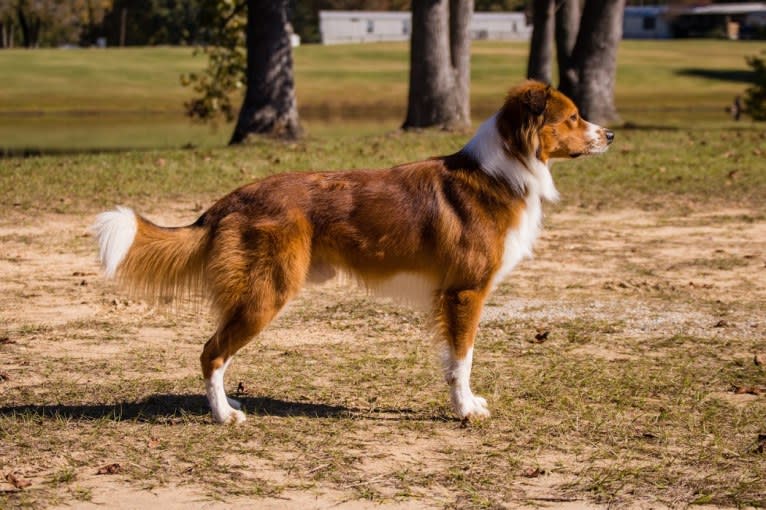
{"x": 269, "y": 106}
{"x": 541, "y": 46}
{"x": 439, "y": 64}
{"x": 595, "y": 58}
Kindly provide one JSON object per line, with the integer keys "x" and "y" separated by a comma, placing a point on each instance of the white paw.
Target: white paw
{"x": 233, "y": 416}
{"x": 471, "y": 406}
{"x": 234, "y": 403}
{"x": 236, "y": 417}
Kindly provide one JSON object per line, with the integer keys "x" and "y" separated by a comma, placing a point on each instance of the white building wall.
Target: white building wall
{"x": 339, "y": 27}
{"x": 500, "y": 26}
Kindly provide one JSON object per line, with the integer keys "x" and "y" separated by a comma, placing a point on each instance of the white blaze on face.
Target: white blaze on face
{"x": 596, "y": 138}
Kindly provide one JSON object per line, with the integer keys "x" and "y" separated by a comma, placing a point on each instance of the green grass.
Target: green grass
{"x": 651, "y": 75}
{"x": 646, "y": 168}
{"x": 132, "y": 98}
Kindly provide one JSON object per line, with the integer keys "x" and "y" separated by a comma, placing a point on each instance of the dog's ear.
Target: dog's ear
{"x": 536, "y": 99}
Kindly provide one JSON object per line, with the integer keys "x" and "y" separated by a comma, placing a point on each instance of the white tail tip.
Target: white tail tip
{"x": 114, "y": 231}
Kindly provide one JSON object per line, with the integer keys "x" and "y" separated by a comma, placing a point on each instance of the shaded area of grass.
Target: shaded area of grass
{"x": 163, "y": 408}
{"x": 733, "y": 75}
{"x": 645, "y": 169}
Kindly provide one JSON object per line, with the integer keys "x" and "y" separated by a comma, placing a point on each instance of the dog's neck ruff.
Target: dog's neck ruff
{"x": 528, "y": 178}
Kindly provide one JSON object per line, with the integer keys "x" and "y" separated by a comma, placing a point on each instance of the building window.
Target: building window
{"x": 370, "y": 26}
{"x": 650, "y": 22}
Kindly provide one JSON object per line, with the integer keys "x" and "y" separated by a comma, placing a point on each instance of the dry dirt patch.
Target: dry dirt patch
{"x": 627, "y": 399}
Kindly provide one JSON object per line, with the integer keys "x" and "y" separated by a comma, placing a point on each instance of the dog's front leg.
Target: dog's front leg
{"x": 458, "y": 313}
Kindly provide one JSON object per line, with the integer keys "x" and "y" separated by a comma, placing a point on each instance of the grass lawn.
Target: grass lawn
{"x": 624, "y": 365}
{"x": 65, "y": 100}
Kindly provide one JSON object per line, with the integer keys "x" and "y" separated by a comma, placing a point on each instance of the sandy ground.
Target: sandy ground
{"x": 588, "y": 265}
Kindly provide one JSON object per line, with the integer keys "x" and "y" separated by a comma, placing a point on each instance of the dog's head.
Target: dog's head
{"x": 538, "y": 120}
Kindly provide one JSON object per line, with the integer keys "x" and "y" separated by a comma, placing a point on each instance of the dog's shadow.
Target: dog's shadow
{"x": 173, "y": 408}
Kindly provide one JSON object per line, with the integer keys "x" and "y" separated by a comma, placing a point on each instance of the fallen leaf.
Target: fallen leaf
{"x": 109, "y": 469}
{"x": 17, "y": 481}
{"x": 721, "y": 324}
{"x": 241, "y": 390}
{"x": 749, "y": 390}
{"x": 4, "y": 376}
{"x": 760, "y": 444}
{"x": 6, "y": 340}
{"x": 532, "y": 472}
{"x": 541, "y": 336}
{"x": 153, "y": 442}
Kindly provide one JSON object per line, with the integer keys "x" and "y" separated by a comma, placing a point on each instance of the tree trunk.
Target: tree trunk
{"x": 541, "y": 46}
{"x": 595, "y": 56}
{"x": 26, "y": 36}
{"x": 439, "y": 64}
{"x": 269, "y": 106}
{"x": 123, "y": 22}
{"x": 567, "y": 25}
{"x": 461, "y": 12}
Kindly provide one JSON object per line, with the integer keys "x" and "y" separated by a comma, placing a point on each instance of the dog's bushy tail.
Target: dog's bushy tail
{"x": 155, "y": 263}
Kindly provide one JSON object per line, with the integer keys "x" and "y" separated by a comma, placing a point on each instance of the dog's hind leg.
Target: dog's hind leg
{"x": 251, "y": 280}
{"x": 458, "y": 313}
{"x": 234, "y": 334}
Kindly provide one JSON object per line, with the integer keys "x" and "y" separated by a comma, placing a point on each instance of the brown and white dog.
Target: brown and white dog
{"x": 451, "y": 226}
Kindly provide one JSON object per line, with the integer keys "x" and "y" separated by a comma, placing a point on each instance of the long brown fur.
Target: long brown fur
{"x": 164, "y": 264}
{"x": 443, "y": 219}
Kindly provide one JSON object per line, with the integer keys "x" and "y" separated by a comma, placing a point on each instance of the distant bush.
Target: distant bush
{"x": 755, "y": 96}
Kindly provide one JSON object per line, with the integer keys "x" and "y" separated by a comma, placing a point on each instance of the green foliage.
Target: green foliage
{"x": 227, "y": 62}
{"x": 755, "y": 96}
{"x": 151, "y": 22}
{"x": 32, "y": 23}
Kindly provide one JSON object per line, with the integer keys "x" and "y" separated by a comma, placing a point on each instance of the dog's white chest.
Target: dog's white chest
{"x": 520, "y": 241}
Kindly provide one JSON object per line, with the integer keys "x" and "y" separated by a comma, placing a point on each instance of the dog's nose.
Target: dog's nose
{"x": 609, "y": 136}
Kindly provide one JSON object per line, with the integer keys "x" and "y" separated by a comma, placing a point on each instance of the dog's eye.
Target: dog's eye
{"x": 573, "y": 118}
